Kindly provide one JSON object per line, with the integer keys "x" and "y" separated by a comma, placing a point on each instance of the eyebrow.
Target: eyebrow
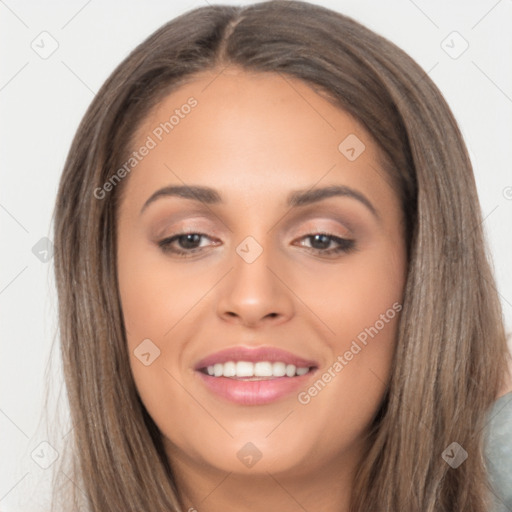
{"x": 296, "y": 198}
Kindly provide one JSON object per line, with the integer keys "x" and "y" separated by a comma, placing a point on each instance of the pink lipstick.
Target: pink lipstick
{"x": 254, "y": 376}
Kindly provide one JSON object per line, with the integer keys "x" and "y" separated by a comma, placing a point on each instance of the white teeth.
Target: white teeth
{"x": 290, "y": 370}
{"x": 244, "y": 369}
{"x": 278, "y": 369}
{"x": 259, "y": 369}
{"x": 218, "y": 369}
{"x": 263, "y": 369}
{"x": 229, "y": 369}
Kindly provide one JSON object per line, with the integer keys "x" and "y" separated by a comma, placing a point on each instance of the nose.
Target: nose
{"x": 256, "y": 293}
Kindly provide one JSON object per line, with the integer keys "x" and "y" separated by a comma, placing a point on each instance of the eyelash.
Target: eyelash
{"x": 346, "y": 245}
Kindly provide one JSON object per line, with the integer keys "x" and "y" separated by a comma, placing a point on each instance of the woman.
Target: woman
{"x": 272, "y": 277}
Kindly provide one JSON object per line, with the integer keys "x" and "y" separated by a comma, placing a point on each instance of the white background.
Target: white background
{"x": 43, "y": 100}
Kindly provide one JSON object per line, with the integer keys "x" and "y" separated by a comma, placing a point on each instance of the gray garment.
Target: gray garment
{"x": 499, "y": 452}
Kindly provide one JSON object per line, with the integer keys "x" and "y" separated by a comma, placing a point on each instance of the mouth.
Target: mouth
{"x": 254, "y": 376}
{"x": 261, "y": 370}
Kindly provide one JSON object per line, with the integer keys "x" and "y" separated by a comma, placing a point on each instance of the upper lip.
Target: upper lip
{"x": 254, "y": 354}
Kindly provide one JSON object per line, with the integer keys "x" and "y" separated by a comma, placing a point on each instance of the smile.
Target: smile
{"x": 256, "y": 371}
{"x": 254, "y": 375}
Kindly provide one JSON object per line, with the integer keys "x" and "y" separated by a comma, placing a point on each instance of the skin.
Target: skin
{"x": 254, "y": 138}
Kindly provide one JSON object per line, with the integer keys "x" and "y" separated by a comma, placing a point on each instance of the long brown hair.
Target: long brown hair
{"x": 450, "y": 358}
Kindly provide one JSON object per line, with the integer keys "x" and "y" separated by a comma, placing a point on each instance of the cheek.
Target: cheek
{"x": 154, "y": 295}
{"x": 158, "y": 304}
{"x": 360, "y": 293}
{"x": 362, "y": 306}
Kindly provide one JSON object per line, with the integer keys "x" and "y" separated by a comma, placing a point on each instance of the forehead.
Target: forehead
{"x": 271, "y": 105}
{"x": 247, "y": 131}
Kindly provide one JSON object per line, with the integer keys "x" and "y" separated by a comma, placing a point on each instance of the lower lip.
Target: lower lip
{"x": 254, "y": 392}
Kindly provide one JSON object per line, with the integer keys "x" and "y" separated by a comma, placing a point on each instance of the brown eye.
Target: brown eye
{"x": 320, "y": 243}
{"x": 182, "y": 243}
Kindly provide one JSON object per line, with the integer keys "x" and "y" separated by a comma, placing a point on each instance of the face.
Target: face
{"x": 263, "y": 275}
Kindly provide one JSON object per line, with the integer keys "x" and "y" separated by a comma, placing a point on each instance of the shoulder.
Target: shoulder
{"x": 507, "y": 386}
